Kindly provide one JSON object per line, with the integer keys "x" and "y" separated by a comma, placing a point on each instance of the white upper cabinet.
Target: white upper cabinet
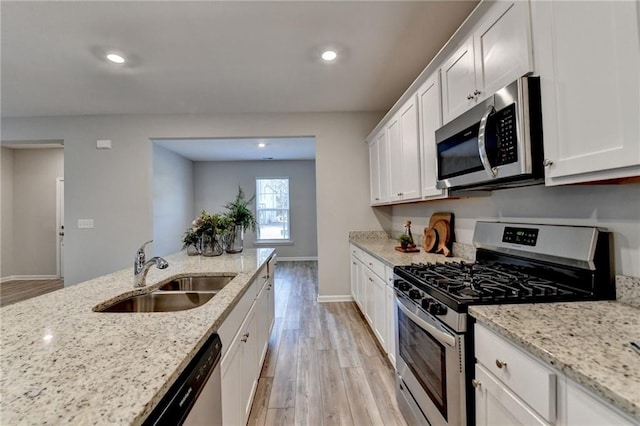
{"x": 379, "y": 168}
{"x": 430, "y": 119}
{"x": 495, "y": 54}
{"x": 588, "y": 58}
{"x": 403, "y": 150}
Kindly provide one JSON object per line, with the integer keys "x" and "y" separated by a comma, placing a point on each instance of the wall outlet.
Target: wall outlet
{"x": 85, "y": 223}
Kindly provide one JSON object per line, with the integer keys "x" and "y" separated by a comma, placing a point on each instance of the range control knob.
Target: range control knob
{"x": 402, "y": 285}
{"x": 426, "y": 302}
{"x": 415, "y": 294}
{"x": 437, "y": 308}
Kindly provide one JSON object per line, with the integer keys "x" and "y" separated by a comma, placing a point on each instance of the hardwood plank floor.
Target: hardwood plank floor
{"x": 17, "y": 291}
{"x": 323, "y": 365}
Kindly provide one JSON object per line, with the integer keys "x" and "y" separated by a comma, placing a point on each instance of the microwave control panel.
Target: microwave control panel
{"x": 506, "y": 130}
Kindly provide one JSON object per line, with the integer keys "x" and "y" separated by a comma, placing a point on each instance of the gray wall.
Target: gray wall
{"x": 216, "y": 183}
{"x": 33, "y": 243}
{"x": 114, "y": 187}
{"x": 6, "y": 212}
{"x": 614, "y": 207}
{"x": 172, "y": 199}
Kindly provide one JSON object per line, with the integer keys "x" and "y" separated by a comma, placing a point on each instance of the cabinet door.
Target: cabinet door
{"x": 496, "y": 405}
{"x": 232, "y": 396}
{"x": 410, "y": 160}
{"x": 354, "y": 280}
{"x": 250, "y": 368}
{"x": 502, "y": 46}
{"x": 391, "y": 325}
{"x": 584, "y": 409}
{"x": 368, "y": 287}
{"x": 380, "y": 310}
{"x": 458, "y": 82}
{"x": 430, "y": 115}
{"x": 590, "y": 78}
{"x": 394, "y": 151}
{"x": 374, "y": 171}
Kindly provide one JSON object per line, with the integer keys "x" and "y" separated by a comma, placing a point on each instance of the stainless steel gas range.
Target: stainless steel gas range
{"x": 515, "y": 263}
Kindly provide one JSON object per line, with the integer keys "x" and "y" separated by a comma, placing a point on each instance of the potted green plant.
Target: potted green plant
{"x": 405, "y": 240}
{"x": 240, "y": 218}
{"x": 190, "y": 241}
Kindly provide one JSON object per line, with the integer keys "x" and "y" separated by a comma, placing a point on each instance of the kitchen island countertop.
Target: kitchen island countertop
{"x": 63, "y": 363}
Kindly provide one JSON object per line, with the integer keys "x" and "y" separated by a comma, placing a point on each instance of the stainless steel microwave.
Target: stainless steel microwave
{"x": 497, "y": 143}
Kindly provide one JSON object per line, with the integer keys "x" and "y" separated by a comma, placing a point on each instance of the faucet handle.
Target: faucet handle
{"x": 140, "y": 254}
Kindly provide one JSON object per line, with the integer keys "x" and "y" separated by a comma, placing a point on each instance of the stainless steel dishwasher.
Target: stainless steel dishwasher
{"x": 195, "y": 398}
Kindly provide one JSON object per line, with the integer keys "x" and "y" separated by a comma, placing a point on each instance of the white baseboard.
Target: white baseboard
{"x": 331, "y": 299}
{"x": 28, "y": 278}
{"x": 297, "y": 259}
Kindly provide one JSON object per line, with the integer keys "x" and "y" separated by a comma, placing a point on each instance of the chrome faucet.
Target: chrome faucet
{"x": 141, "y": 266}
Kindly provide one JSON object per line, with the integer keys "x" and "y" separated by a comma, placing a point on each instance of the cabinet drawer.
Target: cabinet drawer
{"x": 527, "y": 378}
{"x": 356, "y": 252}
{"x": 374, "y": 264}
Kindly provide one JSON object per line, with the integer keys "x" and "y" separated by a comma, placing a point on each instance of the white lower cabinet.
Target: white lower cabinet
{"x": 245, "y": 346}
{"x": 514, "y": 388}
{"x": 372, "y": 290}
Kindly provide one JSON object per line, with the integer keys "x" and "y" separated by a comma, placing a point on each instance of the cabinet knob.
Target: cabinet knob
{"x": 245, "y": 337}
{"x": 469, "y": 96}
{"x": 547, "y": 162}
{"x": 370, "y": 280}
{"x": 476, "y": 92}
{"x": 501, "y": 364}
{"x": 476, "y": 384}
{"x": 377, "y": 198}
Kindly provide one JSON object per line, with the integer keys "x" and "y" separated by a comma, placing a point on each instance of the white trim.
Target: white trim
{"x": 331, "y": 299}
{"x": 59, "y": 222}
{"x": 297, "y": 259}
{"x": 28, "y": 278}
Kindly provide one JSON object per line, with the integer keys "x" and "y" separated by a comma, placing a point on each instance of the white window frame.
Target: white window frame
{"x": 265, "y": 241}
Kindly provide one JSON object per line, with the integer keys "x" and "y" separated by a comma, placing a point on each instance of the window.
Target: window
{"x": 272, "y": 208}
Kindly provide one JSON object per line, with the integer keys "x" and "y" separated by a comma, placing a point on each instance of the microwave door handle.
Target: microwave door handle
{"x": 482, "y": 146}
{"x": 439, "y": 335}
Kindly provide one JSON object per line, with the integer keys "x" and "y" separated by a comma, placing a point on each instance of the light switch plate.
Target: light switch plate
{"x": 85, "y": 223}
{"x": 103, "y": 144}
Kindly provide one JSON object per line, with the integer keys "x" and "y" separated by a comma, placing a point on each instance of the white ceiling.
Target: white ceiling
{"x": 214, "y": 56}
{"x": 242, "y": 148}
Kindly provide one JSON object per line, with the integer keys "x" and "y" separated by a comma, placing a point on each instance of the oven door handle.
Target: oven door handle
{"x": 441, "y": 336}
{"x": 482, "y": 145}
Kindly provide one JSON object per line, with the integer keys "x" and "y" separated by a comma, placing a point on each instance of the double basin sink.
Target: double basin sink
{"x": 177, "y": 295}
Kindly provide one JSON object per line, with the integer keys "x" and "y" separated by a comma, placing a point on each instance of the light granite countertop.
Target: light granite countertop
{"x": 63, "y": 363}
{"x": 383, "y": 248}
{"x": 587, "y": 341}
{"x": 593, "y": 350}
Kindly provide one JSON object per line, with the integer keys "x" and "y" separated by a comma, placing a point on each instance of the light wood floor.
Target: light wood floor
{"x": 322, "y": 366}
{"x": 17, "y": 291}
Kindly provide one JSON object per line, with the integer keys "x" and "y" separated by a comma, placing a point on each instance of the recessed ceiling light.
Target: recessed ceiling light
{"x": 262, "y": 145}
{"x": 329, "y": 55}
{"x": 115, "y": 58}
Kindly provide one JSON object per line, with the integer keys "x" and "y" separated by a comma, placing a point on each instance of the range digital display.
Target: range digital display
{"x": 522, "y": 236}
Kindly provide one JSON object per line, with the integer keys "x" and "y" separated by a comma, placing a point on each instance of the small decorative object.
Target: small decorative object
{"x": 241, "y": 219}
{"x": 438, "y": 236}
{"x": 407, "y": 244}
{"x": 191, "y": 242}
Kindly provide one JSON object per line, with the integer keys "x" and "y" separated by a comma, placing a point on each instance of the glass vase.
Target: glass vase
{"x": 233, "y": 239}
{"x": 193, "y": 249}
{"x": 211, "y": 245}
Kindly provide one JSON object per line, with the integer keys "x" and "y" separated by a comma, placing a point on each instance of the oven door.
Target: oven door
{"x": 430, "y": 367}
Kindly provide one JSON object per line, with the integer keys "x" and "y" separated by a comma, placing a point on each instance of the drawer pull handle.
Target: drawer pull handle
{"x": 245, "y": 338}
{"x": 476, "y": 384}
{"x": 501, "y": 364}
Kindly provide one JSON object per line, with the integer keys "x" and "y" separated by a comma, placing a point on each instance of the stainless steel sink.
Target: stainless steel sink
{"x": 198, "y": 283}
{"x": 160, "y": 302}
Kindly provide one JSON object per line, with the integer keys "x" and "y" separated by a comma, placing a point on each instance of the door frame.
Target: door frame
{"x": 59, "y": 224}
